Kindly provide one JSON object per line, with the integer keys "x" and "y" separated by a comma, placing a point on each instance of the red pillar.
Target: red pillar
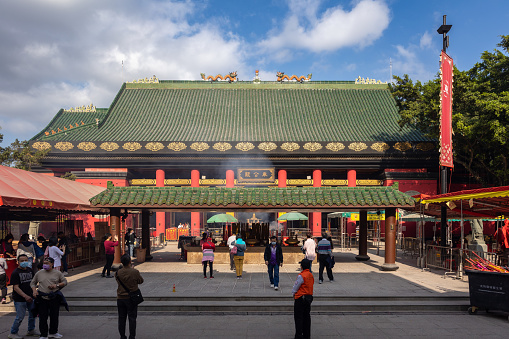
{"x": 115, "y": 231}
{"x": 352, "y": 178}
{"x": 160, "y": 216}
{"x": 230, "y": 178}
{"x": 281, "y": 178}
{"x": 316, "y": 219}
{"x": 390, "y": 240}
{"x": 195, "y": 216}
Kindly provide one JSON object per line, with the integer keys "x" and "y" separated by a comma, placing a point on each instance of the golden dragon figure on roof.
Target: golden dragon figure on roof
{"x": 232, "y": 76}
{"x": 281, "y": 77}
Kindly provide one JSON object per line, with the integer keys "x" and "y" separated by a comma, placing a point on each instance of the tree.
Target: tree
{"x": 19, "y": 155}
{"x": 480, "y": 114}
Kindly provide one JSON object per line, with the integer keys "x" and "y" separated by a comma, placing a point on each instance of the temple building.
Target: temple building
{"x": 221, "y": 132}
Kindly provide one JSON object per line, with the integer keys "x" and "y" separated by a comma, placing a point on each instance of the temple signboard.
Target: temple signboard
{"x": 255, "y": 175}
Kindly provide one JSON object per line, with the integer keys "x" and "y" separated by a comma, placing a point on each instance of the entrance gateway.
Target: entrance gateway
{"x": 254, "y": 137}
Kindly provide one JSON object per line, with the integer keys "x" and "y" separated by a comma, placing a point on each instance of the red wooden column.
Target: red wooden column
{"x": 115, "y": 231}
{"x": 363, "y": 236}
{"x": 316, "y": 219}
{"x": 195, "y": 216}
{"x": 390, "y": 240}
{"x": 281, "y": 178}
{"x": 230, "y": 178}
{"x": 160, "y": 216}
{"x": 352, "y": 178}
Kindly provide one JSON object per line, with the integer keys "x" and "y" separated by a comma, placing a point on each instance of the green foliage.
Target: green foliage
{"x": 69, "y": 176}
{"x": 480, "y": 114}
{"x": 19, "y": 155}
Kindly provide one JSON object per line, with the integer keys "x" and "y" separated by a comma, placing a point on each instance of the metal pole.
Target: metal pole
{"x": 460, "y": 267}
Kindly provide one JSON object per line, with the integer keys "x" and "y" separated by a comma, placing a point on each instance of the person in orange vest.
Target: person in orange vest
{"x": 303, "y": 296}
{"x": 502, "y": 236}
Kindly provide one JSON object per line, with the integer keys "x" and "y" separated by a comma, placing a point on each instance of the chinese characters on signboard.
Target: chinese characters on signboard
{"x": 255, "y": 175}
{"x": 446, "y": 66}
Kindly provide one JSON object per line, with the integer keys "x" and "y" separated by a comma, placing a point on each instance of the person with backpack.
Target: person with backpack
{"x": 128, "y": 279}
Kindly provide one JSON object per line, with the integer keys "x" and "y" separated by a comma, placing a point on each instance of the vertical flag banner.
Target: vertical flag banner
{"x": 446, "y": 70}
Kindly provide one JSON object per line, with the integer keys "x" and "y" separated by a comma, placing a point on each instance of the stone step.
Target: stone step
{"x": 281, "y": 305}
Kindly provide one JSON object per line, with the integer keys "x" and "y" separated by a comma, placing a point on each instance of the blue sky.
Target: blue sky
{"x": 60, "y": 53}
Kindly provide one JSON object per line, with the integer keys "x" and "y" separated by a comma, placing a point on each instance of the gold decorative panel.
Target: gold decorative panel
{"x": 41, "y": 145}
{"x": 312, "y": 146}
{"x": 335, "y": 146}
{"x": 299, "y": 182}
{"x": 222, "y": 146}
{"x": 177, "y": 146}
{"x": 177, "y": 182}
{"x": 154, "y": 146}
{"x": 369, "y": 182}
{"x": 109, "y": 146}
{"x": 199, "y": 146}
{"x": 86, "y": 146}
{"x": 131, "y": 146}
{"x": 212, "y": 182}
{"x": 64, "y": 146}
{"x": 403, "y": 146}
{"x": 244, "y": 146}
{"x": 143, "y": 182}
{"x": 334, "y": 182}
{"x": 380, "y": 146}
{"x": 425, "y": 146}
{"x": 267, "y": 146}
{"x": 357, "y": 146}
{"x": 290, "y": 146}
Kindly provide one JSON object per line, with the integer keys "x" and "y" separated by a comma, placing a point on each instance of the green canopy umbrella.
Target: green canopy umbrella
{"x": 222, "y": 218}
{"x": 293, "y": 216}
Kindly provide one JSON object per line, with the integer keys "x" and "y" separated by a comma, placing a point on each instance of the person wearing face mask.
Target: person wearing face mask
{"x": 22, "y": 296}
{"x": 273, "y": 257}
{"x": 46, "y": 287}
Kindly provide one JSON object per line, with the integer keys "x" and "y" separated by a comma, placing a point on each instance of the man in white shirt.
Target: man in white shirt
{"x": 309, "y": 249}
{"x": 230, "y": 242}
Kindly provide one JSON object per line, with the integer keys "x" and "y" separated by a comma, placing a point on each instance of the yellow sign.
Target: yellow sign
{"x": 280, "y": 214}
{"x": 371, "y": 217}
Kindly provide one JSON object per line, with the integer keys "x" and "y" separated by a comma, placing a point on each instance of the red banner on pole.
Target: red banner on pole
{"x": 446, "y": 68}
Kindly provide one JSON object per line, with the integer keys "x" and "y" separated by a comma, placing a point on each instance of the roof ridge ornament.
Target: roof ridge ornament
{"x": 81, "y": 109}
{"x": 368, "y": 81}
{"x": 231, "y": 77}
{"x": 153, "y": 80}
{"x": 282, "y": 77}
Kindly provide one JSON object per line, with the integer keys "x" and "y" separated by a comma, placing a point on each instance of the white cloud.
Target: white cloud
{"x": 336, "y": 27}
{"x": 407, "y": 61}
{"x": 426, "y": 40}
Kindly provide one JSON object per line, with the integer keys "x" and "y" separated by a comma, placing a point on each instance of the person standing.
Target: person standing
{"x": 130, "y": 238}
{"x": 208, "y": 248}
{"x": 109, "y": 250}
{"x": 55, "y": 253}
{"x": 46, "y": 286}
{"x": 303, "y": 296}
{"x": 324, "y": 252}
{"x": 7, "y": 248}
{"x": 22, "y": 297}
{"x": 309, "y": 249}
{"x": 27, "y": 248}
{"x": 3, "y": 278}
{"x": 239, "y": 256}
{"x": 231, "y": 244}
{"x": 63, "y": 244}
{"x": 273, "y": 257}
{"x": 131, "y": 278}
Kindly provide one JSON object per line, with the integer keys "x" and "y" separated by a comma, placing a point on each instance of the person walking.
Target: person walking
{"x": 309, "y": 249}
{"x": 303, "y": 296}
{"x": 46, "y": 286}
{"x": 56, "y": 253}
{"x": 324, "y": 253}
{"x": 208, "y": 248}
{"x": 239, "y": 256}
{"x": 3, "y": 278}
{"x": 131, "y": 278}
{"x": 231, "y": 244}
{"x": 273, "y": 257}
{"x": 63, "y": 245}
{"x": 109, "y": 250}
{"x": 22, "y": 297}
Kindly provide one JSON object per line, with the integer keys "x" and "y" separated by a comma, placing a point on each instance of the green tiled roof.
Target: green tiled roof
{"x": 240, "y": 197}
{"x": 203, "y": 111}
{"x": 66, "y": 118}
